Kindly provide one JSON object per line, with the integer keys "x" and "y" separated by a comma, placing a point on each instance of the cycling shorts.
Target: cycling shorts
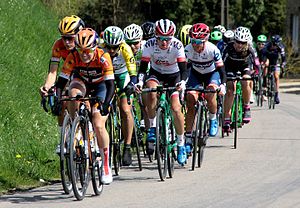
{"x": 166, "y": 79}
{"x": 196, "y": 79}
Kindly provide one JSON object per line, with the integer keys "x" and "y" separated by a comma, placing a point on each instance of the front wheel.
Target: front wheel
{"x": 161, "y": 144}
{"x": 64, "y": 154}
{"x": 79, "y": 161}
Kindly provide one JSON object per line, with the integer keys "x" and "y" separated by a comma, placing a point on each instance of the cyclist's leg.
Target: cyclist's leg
{"x": 276, "y": 76}
{"x": 150, "y": 104}
{"x": 101, "y": 133}
{"x": 77, "y": 86}
{"x": 246, "y": 94}
{"x": 213, "y": 83}
{"x": 126, "y": 118}
{"x": 228, "y": 102}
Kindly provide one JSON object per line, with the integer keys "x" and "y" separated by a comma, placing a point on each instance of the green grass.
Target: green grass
{"x": 28, "y": 135}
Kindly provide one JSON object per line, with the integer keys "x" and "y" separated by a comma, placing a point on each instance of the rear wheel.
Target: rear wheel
{"x": 64, "y": 154}
{"x": 79, "y": 161}
{"x": 161, "y": 144}
{"x": 203, "y": 136}
{"x": 96, "y": 174}
{"x": 136, "y": 144}
{"x": 171, "y": 149}
{"x": 235, "y": 120}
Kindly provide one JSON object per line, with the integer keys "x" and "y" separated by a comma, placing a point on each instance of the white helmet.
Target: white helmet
{"x": 133, "y": 32}
{"x": 113, "y": 35}
{"x": 229, "y": 34}
{"x": 242, "y": 34}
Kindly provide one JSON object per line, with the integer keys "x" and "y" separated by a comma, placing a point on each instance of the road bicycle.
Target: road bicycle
{"x": 271, "y": 87}
{"x": 257, "y": 87}
{"x": 200, "y": 125}
{"x": 84, "y": 155}
{"x": 237, "y": 107}
{"x": 165, "y": 144}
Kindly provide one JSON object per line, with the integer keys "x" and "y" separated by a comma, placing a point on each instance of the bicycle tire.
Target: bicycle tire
{"x": 135, "y": 141}
{"x": 171, "y": 150}
{"x": 64, "y": 161}
{"x": 96, "y": 174}
{"x": 79, "y": 161}
{"x": 204, "y": 135}
{"x": 236, "y": 120}
{"x": 197, "y": 128}
{"x": 161, "y": 149}
{"x": 273, "y": 90}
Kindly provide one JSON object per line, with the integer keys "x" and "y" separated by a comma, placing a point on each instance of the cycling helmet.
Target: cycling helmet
{"x": 86, "y": 38}
{"x": 199, "y": 31}
{"x": 221, "y": 28}
{"x": 261, "y": 38}
{"x": 70, "y": 25}
{"x": 216, "y": 35}
{"x": 242, "y": 34}
{"x": 133, "y": 32}
{"x": 164, "y": 27}
{"x": 276, "y": 39}
{"x": 113, "y": 35}
{"x": 183, "y": 34}
{"x": 148, "y": 30}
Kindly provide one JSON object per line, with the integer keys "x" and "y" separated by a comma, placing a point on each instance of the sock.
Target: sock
{"x": 180, "y": 140}
{"x": 105, "y": 155}
{"x": 212, "y": 116}
{"x": 247, "y": 106}
{"x": 152, "y": 122}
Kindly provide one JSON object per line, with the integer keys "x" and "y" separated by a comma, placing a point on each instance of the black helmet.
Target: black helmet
{"x": 148, "y": 30}
{"x": 276, "y": 39}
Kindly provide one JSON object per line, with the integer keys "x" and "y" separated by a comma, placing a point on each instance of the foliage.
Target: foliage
{"x": 27, "y": 135}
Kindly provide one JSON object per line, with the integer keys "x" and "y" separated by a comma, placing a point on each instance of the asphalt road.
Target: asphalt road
{"x": 264, "y": 171}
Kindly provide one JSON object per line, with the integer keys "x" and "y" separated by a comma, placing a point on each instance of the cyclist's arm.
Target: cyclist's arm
{"x": 222, "y": 72}
{"x": 110, "y": 86}
{"x": 130, "y": 62}
{"x": 183, "y": 70}
{"x": 51, "y": 77}
{"x": 108, "y": 75}
{"x": 283, "y": 55}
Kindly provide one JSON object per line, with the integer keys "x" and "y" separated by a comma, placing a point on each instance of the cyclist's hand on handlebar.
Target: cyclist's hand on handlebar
{"x": 181, "y": 85}
{"x": 222, "y": 89}
{"x": 138, "y": 87}
{"x": 104, "y": 109}
{"x": 43, "y": 91}
{"x": 129, "y": 89}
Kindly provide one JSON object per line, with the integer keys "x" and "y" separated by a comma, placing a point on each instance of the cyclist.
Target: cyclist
{"x": 168, "y": 65}
{"x": 183, "y": 35}
{"x": 216, "y": 36}
{"x": 133, "y": 35}
{"x": 68, "y": 27}
{"x": 271, "y": 51}
{"x": 227, "y": 37}
{"x": 148, "y": 30}
{"x": 239, "y": 55}
{"x": 125, "y": 78}
{"x": 264, "y": 62}
{"x": 207, "y": 67}
{"x": 92, "y": 74}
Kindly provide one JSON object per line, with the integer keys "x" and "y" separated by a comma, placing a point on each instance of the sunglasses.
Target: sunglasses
{"x": 69, "y": 38}
{"x": 133, "y": 43}
{"x": 240, "y": 42}
{"x": 162, "y": 38}
{"x": 196, "y": 41}
{"x": 114, "y": 47}
{"x": 86, "y": 51}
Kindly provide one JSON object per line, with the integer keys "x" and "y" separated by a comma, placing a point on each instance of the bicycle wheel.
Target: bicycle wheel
{"x": 260, "y": 91}
{"x": 220, "y": 114}
{"x": 96, "y": 170}
{"x": 197, "y": 128}
{"x": 161, "y": 149}
{"x": 79, "y": 161}
{"x": 64, "y": 154}
{"x": 171, "y": 148}
{"x": 135, "y": 142}
{"x": 273, "y": 91}
{"x": 204, "y": 135}
{"x": 236, "y": 120}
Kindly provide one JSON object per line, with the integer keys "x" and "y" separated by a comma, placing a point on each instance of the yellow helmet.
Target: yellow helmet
{"x": 183, "y": 34}
{"x": 70, "y": 25}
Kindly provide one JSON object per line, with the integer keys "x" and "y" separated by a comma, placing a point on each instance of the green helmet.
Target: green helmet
{"x": 216, "y": 35}
{"x": 113, "y": 35}
{"x": 261, "y": 38}
{"x": 183, "y": 34}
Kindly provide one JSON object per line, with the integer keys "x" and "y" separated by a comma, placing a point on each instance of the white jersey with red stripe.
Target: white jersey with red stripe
{"x": 164, "y": 61}
{"x": 206, "y": 61}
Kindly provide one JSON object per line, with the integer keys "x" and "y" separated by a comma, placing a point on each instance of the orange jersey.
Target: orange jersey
{"x": 59, "y": 51}
{"x": 98, "y": 70}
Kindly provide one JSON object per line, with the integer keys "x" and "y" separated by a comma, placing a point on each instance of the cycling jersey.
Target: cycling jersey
{"x": 59, "y": 51}
{"x": 98, "y": 70}
{"x": 124, "y": 60}
{"x": 206, "y": 61}
{"x": 239, "y": 61}
{"x": 272, "y": 52}
{"x": 138, "y": 55}
{"x": 164, "y": 61}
